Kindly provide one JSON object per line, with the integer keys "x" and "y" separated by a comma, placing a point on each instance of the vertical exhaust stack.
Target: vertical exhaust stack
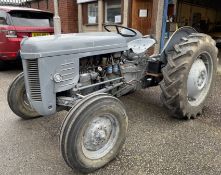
{"x": 57, "y": 20}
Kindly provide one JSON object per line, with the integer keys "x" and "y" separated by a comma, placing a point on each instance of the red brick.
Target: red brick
{"x": 68, "y": 12}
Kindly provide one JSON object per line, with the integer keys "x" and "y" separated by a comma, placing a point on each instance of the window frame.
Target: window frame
{"x": 85, "y": 14}
{"x": 105, "y": 12}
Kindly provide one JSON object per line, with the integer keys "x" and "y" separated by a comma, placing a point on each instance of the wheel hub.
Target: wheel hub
{"x": 197, "y": 79}
{"x": 98, "y": 134}
{"x": 202, "y": 79}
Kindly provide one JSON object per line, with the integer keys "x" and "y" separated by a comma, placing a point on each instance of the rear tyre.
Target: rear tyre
{"x": 18, "y": 101}
{"x": 189, "y": 75}
{"x": 93, "y": 132}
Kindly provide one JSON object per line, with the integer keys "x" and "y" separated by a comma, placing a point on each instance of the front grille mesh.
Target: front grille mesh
{"x": 33, "y": 80}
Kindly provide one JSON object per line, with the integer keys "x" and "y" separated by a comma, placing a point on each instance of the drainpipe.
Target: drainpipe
{"x": 100, "y": 15}
{"x": 163, "y": 31}
{"x": 57, "y": 20}
{"x": 80, "y": 18}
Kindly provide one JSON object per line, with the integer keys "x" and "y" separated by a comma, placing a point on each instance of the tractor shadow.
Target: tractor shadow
{"x": 145, "y": 105}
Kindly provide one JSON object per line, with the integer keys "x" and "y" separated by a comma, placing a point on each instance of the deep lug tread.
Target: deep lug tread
{"x": 172, "y": 99}
{"x": 170, "y": 87}
{"x": 163, "y": 99}
{"x": 180, "y": 67}
{"x": 171, "y": 62}
{"x": 165, "y": 93}
{"x": 180, "y": 61}
{"x": 167, "y": 79}
{"x": 195, "y": 41}
{"x": 177, "y": 48}
{"x": 185, "y": 53}
{"x": 184, "y": 39}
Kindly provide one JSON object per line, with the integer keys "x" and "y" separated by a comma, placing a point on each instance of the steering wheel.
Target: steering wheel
{"x": 118, "y": 29}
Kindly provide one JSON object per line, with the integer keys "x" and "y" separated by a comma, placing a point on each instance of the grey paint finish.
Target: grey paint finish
{"x": 60, "y": 55}
{"x": 37, "y": 47}
{"x": 47, "y": 68}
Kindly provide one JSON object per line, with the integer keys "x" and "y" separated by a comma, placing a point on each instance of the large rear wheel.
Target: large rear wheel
{"x": 189, "y": 75}
{"x": 93, "y": 132}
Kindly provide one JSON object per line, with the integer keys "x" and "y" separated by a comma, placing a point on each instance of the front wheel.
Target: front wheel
{"x": 18, "y": 100}
{"x": 93, "y": 132}
{"x": 189, "y": 75}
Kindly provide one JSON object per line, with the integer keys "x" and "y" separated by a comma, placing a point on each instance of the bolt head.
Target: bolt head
{"x": 57, "y": 78}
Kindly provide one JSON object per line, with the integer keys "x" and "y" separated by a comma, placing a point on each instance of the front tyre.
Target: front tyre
{"x": 18, "y": 100}
{"x": 189, "y": 75}
{"x": 93, "y": 132}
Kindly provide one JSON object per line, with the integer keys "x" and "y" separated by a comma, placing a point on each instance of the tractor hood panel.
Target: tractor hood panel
{"x": 37, "y": 47}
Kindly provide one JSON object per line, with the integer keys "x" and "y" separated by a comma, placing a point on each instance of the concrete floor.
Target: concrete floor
{"x": 156, "y": 143}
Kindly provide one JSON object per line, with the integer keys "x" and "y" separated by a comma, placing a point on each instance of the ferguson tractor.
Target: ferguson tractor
{"x": 84, "y": 73}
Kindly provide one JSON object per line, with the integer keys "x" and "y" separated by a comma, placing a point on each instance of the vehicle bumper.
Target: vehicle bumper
{"x": 9, "y": 50}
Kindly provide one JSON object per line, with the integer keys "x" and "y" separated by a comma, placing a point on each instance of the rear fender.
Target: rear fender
{"x": 174, "y": 39}
{"x": 141, "y": 45}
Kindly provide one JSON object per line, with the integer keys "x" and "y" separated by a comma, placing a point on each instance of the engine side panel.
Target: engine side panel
{"x": 39, "y": 80}
{"x": 51, "y": 64}
{"x": 45, "y": 69}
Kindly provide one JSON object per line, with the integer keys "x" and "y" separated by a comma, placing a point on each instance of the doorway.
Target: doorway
{"x": 141, "y": 15}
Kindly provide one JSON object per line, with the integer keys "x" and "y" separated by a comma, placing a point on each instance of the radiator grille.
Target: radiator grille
{"x": 33, "y": 80}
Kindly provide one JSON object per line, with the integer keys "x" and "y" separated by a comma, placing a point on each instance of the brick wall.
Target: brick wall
{"x": 68, "y": 13}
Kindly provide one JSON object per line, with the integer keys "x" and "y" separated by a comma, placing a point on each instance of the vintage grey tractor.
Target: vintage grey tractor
{"x": 85, "y": 72}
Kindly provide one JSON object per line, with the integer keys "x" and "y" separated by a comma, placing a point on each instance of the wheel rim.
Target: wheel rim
{"x": 199, "y": 79}
{"x": 100, "y": 136}
{"x": 26, "y": 101}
